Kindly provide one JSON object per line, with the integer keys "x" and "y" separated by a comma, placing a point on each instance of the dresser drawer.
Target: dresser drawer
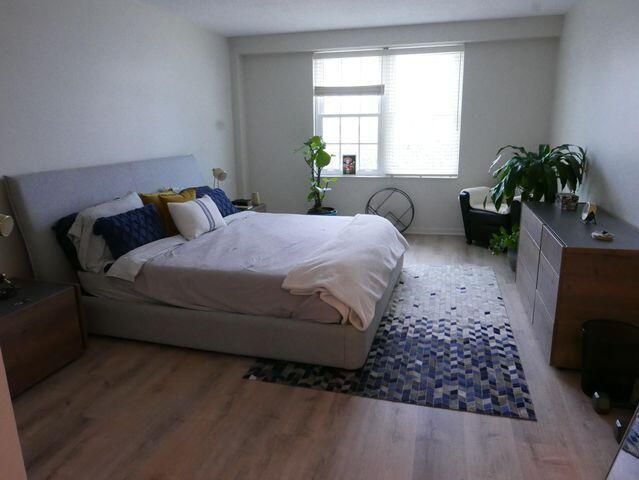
{"x": 532, "y": 224}
{"x": 528, "y": 253}
{"x": 547, "y": 285}
{"x": 552, "y": 249}
{"x": 543, "y": 327}
{"x": 526, "y": 288}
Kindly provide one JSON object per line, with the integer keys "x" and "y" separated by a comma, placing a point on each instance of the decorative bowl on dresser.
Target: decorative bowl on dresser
{"x": 566, "y": 277}
{"x": 41, "y": 330}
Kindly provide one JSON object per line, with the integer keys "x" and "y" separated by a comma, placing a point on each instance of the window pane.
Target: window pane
{"x": 330, "y": 105}
{"x": 333, "y": 149}
{"x": 369, "y": 104}
{"x": 350, "y": 130}
{"x": 368, "y": 129}
{"x": 367, "y": 157}
{"x": 330, "y": 129}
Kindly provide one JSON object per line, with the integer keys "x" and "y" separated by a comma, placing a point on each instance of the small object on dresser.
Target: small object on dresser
{"x": 603, "y": 236}
{"x": 241, "y": 202}
{"x": 589, "y": 213}
{"x": 568, "y": 201}
{"x": 255, "y": 199}
{"x": 7, "y": 288}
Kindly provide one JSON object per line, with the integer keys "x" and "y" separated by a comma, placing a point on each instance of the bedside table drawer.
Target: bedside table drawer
{"x": 40, "y": 339}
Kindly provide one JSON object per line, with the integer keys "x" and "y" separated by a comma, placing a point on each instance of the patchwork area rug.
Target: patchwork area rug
{"x": 445, "y": 342}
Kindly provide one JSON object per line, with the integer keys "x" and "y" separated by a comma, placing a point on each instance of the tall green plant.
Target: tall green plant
{"x": 317, "y": 158}
{"x": 536, "y": 174}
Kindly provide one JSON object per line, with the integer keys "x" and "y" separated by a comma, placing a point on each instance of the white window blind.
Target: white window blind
{"x": 398, "y": 110}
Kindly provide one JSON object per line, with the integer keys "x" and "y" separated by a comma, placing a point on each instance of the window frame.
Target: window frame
{"x": 318, "y": 128}
{"x": 381, "y": 172}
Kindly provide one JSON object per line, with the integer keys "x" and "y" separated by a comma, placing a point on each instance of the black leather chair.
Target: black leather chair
{"x": 481, "y": 222}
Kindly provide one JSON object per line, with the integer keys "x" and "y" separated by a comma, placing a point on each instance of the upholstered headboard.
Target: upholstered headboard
{"x": 39, "y": 200}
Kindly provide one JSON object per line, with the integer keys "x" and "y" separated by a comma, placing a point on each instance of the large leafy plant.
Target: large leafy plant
{"x": 536, "y": 174}
{"x": 317, "y": 158}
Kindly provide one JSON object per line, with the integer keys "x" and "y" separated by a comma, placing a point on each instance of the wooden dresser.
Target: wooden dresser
{"x": 565, "y": 277}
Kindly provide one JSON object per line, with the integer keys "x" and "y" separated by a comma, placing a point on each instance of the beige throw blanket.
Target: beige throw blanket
{"x": 351, "y": 271}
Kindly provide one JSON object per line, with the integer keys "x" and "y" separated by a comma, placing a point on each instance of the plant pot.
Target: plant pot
{"x": 322, "y": 211}
{"x": 512, "y": 259}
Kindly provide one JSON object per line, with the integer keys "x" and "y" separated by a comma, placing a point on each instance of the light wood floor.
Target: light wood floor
{"x": 135, "y": 410}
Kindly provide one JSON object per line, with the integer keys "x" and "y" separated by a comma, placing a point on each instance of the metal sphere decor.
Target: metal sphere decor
{"x": 393, "y": 204}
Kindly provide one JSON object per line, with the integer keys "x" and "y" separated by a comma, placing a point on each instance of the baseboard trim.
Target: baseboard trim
{"x": 435, "y": 231}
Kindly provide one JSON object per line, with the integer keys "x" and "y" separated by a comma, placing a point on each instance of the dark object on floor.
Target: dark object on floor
{"x": 479, "y": 223}
{"x": 619, "y": 429}
{"x": 41, "y": 330}
{"x": 610, "y": 361}
{"x": 445, "y": 342}
{"x": 321, "y": 211}
{"x": 394, "y": 205}
{"x": 601, "y": 403}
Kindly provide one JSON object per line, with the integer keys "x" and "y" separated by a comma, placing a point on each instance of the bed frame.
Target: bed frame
{"x": 40, "y": 199}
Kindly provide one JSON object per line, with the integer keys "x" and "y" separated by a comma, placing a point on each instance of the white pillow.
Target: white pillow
{"x": 93, "y": 253}
{"x": 195, "y": 217}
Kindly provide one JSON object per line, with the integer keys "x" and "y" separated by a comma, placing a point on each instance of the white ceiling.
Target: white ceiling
{"x": 254, "y": 17}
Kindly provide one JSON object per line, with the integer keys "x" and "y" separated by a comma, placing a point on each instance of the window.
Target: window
{"x": 397, "y": 110}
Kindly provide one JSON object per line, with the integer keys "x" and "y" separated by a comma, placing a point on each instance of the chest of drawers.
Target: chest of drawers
{"x": 565, "y": 277}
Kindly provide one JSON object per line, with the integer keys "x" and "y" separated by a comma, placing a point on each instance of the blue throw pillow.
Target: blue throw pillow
{"x": 220, "y": 199}
{"x": 127, "y": 231}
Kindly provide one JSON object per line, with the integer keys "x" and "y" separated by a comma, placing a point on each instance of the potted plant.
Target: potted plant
{"x": 506, "y": 241}
{"x": 317, "y": 158}
{"x": 536, "y": 175}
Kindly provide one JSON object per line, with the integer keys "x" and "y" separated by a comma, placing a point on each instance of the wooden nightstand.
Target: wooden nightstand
{"x": 41, "y": 330}
{"x": 253, "y": 208}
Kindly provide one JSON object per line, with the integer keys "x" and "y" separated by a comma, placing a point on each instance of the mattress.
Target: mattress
{"x": 99, "y": 285}
{"x": 238, "y": 268}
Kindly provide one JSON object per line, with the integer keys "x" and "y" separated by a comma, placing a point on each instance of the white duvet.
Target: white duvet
{"x": 352, "y": 270}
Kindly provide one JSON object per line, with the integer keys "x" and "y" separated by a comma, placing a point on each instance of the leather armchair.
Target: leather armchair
{"x": 480, "y": 221}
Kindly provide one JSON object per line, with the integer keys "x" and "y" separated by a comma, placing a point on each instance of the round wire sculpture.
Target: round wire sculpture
{"x": 393, "y": 204}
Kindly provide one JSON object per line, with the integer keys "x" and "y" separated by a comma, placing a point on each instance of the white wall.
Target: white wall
{"x": 87, "y": 82}
{"x": 598, "y": 99}
{"x": 508, "y": 95}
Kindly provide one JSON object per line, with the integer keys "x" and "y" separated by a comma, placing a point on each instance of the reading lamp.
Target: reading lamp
{"x": 220, "y": 175}
{"x": 6, "y": 225}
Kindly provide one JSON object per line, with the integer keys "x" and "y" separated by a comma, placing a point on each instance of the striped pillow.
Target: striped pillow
{"x": 196, "y": 217}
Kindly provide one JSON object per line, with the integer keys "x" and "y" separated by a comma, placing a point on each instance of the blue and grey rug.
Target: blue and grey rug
{"x": 445, "y": 342}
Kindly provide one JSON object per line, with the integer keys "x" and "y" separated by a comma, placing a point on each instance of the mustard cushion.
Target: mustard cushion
{"x": 160, "y": 201}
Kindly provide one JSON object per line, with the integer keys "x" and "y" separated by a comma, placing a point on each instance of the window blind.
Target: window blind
{"x": 421, "y": 113}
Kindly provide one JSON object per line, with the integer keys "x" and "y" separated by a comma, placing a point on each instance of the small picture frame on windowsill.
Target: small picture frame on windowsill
{"x": 349, "y": 164}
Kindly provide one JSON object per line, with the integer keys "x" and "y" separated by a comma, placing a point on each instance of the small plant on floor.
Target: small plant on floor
{"x": 536, "y": 174}
{"x": 504, "y": 240}
{"x": 317, "y": 158}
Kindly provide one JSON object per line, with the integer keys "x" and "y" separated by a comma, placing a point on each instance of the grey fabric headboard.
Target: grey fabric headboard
{"x": 39, "y": 200}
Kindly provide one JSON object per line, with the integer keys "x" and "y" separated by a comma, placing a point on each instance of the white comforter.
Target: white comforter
{"x": 351, "y": 271}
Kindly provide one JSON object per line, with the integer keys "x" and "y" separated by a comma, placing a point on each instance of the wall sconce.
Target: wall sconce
{"x": 220, "y": 175}
{"x": 6, "y": 225}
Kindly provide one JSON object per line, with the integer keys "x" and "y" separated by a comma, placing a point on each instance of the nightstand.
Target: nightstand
{"x": 261, "y": 208}
{"x": 41, "y": 330}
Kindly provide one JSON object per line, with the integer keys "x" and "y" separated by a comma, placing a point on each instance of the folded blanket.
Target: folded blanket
{"x": 351, "y": 271}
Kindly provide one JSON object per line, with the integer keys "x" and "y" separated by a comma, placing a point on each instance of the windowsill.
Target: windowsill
{"x": 423, "y": 177}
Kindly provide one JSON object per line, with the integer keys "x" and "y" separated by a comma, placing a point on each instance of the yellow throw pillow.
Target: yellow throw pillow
{"x": 160, "y": 201}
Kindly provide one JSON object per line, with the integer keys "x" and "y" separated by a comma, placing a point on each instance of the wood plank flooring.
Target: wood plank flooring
{"x": 130, "y": 410}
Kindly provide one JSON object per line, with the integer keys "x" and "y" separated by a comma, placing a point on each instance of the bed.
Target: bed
{"x": 40, "y": 199}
